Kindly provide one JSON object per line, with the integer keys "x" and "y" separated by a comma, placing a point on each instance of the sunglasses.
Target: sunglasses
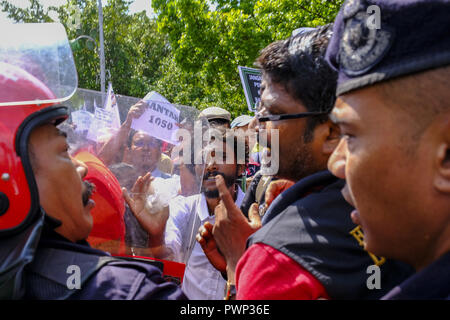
{"x": 142, "y": 144}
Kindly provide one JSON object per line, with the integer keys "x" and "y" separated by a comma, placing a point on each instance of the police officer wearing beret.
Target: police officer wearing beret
{"x": 393, "y": 59}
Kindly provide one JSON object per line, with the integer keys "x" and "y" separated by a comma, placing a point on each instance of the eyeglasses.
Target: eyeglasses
{"x": 142, "y": 144}
{"x": 278, "y": 117}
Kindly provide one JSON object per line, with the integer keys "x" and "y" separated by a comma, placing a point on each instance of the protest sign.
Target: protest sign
{"x": 82, "y": 120}
{"x": 106, "y": 120}
{"x": 251, "y": 81}
{"x": 155, "y": 96}
{"x": 111, "y": 106}
{"x": 159, "y": 119}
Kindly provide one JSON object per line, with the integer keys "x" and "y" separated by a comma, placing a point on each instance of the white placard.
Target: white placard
{"x": 159, "y": 120}
{"x": 102, "y": 125}
{"x": 82, "y": 120}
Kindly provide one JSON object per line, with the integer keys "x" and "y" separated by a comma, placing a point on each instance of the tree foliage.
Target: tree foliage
{"x": 210, "y": 40}
{"x": 189, "y": 53}
{"x": 134, "y": 49}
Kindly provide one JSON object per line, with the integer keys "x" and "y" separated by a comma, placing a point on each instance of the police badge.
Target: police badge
{"x": 362, "y": 47}
{"x": 350, "y": 8}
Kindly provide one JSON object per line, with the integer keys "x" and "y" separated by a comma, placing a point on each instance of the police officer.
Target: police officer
{"x": 393, "y": 59}
{"x": 44, "y": 204}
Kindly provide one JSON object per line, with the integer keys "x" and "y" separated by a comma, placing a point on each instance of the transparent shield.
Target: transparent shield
{"x": 36, "y": 55}
{"x": 152, "y": 150}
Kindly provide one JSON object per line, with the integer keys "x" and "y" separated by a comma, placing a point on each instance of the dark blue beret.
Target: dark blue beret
{"x": 409, "y": 36}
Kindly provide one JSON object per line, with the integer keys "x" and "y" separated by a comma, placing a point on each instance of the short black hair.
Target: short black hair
{"x": 298, "y": 63}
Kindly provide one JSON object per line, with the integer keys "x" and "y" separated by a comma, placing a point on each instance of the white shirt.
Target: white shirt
{"x": 201, "y": 280}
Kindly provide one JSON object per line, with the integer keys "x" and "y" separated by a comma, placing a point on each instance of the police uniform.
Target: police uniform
{"x": 378, "y": 40}
{"x": 58, "y": 262}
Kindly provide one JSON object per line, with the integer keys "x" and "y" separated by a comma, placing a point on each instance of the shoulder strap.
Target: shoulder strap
{"x": 63, "y": 264}
{"x": 261, "y": 188}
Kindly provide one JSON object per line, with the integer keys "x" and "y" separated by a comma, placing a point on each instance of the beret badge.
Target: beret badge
{"x": 362, "y": 45}
{"x": 351, "y": 7}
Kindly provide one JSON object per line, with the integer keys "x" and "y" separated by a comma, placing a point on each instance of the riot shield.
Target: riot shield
{"x": 150, "y": 150}
{"x": 42, "y": 58}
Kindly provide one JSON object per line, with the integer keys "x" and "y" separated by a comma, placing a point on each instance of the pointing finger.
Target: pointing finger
{"x": 224, "y": 194}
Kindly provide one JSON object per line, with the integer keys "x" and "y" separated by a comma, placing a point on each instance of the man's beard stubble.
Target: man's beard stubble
{"x": 299, "y": 165}
{"x": 214, "y": 193}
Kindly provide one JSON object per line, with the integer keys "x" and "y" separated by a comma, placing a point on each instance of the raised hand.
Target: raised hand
{"x": 153, "y": 222}
{"x": 231, "y": 228}
{"x": 206, "y": 240}
{"x": 136, "y": 111}
{"x": 275, "y": 188}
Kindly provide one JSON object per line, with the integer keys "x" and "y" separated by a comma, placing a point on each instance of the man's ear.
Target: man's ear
{"x": 442, "y": 177}
{"x": 332, "y": 137}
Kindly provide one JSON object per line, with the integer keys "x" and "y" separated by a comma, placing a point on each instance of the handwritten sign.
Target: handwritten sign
{"x": 251, "y": 81}
{"x": 82, "y": 120}
{"x": 106, "y": 120}
{"x": 159, "y": 120}
{"x": 102, "y": 125}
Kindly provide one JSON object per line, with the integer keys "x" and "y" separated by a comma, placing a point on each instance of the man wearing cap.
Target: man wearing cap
{"x": 306, "y": 248}
{"x": 216, "y": 116}
{"x": 394, "y": 115}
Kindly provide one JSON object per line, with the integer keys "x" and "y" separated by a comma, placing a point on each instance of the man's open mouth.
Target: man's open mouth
{"x": 87, "y": 193}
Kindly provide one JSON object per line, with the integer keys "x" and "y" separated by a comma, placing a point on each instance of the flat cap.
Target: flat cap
{"x": 377, "y": 40}
{"x": 241, "y": 121}
{"x": 212, "y": 113}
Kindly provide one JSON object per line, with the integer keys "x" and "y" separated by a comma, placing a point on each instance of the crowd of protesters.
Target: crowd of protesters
{"x": 357, "y": 128}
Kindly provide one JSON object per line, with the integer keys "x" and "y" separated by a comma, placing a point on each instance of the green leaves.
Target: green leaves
{"x": 190, "y": 53}
{"x": 209, "y": 40}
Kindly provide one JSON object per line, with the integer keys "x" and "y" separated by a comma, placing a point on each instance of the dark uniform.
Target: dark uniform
{"x": 102, "y": 277}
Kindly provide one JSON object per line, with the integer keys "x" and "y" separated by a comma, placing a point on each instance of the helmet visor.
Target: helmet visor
{"x": 37, "y": 58}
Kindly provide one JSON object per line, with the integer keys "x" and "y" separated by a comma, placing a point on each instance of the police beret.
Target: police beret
{"x": 212, "y": 113}
{"x": 377, "y": 40}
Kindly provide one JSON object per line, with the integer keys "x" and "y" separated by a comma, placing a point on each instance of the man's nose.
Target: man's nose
{"x": 337, "y": 160}
{"x": 81, "y": 167}
{"x": 211, "y": 165}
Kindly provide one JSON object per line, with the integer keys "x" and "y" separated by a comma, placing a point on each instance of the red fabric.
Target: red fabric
{"x": 264, "y": 273}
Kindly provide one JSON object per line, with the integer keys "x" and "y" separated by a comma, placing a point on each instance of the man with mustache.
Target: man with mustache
{"x": 173, "y": 235}
{"x": 45, "y": 205}
{"x": 68, "y": 222}
{"x": 394, "y": 113}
